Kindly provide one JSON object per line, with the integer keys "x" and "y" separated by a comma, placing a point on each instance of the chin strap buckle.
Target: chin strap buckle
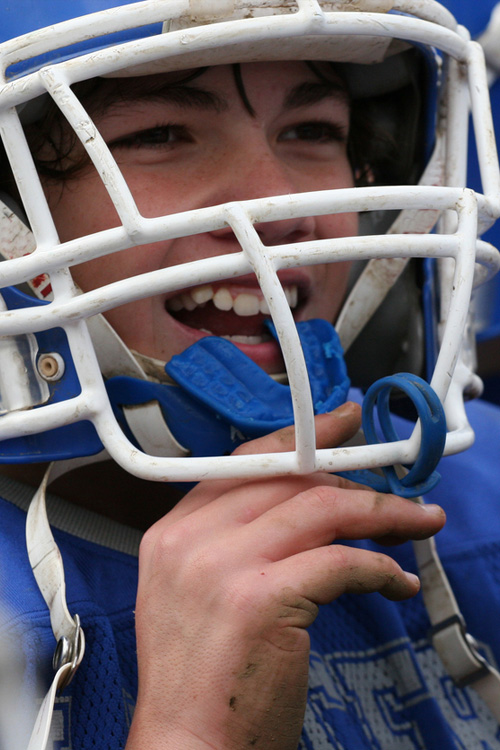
{"x": 459, "y": 652}
{"x": 69, "y": 651}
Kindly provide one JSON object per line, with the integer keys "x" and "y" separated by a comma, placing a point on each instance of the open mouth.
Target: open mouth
{"x": 227, "y": 311}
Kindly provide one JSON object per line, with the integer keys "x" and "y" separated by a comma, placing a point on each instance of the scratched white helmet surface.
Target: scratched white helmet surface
{"x": 69, "y": 385}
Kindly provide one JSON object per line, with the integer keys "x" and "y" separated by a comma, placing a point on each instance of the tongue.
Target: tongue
{"x": 220, "y": 322}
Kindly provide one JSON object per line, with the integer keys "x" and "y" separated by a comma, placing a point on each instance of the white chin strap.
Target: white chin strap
{"x": 48, "y": 570}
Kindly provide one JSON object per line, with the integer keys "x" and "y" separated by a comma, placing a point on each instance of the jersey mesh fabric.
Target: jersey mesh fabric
{"x": 101, "y": 689}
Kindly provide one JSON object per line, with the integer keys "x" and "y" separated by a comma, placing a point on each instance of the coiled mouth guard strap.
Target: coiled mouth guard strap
{"x": 421, "y": 476}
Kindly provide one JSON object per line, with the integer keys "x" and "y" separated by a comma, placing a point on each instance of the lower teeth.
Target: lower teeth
{"x": 247, "y": 339}
{"x": 240, "y": 339}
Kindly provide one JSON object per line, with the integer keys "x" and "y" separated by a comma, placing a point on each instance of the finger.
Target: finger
{"x": 322, "y": 514}
{"x": 251, "y": 498}
{"x": 323, "y": 574}
{"x": 332, "y": 429}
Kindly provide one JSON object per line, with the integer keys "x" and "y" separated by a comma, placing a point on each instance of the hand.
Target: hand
{"x": 229, "y": 581}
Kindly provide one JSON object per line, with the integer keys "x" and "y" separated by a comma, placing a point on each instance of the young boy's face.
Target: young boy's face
{"x": 197, "y": 145}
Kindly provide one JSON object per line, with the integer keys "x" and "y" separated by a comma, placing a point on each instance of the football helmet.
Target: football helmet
{"x": 71, "y": 388}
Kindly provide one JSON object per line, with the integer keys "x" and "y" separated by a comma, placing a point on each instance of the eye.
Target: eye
{"x": 160, "y": 136}
{"x": 314, "y": 132}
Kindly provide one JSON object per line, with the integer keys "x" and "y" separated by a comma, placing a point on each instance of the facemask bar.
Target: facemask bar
{"x": 69, "y": 310}
{"x": 283, "y": 19}
{"x": 265, "y": 261}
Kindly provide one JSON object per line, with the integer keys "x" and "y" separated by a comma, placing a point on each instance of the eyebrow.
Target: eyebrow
{"x": 313, "y": 92}
{"x": 302, "y": 95}
{"x": 190, "y": 97}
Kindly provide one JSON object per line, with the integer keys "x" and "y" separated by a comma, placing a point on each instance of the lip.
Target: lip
{"x": 265, "y": 354}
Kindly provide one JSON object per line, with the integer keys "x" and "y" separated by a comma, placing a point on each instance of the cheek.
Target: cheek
{"x": 133, "y": 322}
{"x": 121, "y": 265}
{"x": 332, "y": 278}
{"x": 330, "y": 290}
{"x": 162, "y": 192}
{"x": 84, "y": 208}
{"x": 154, "y": 195}
{"x": 338, "y": 225}
{"x": 80, "y": 207}
{"x": 97, "y": 273}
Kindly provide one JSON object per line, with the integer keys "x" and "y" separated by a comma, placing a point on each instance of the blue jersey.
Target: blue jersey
{"x": 375, "y": 680}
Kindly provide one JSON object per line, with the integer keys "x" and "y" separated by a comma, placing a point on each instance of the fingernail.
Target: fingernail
{"x": 436, "y": 510}
{"x": 349, "y": 407}
{"x": 412, "y": 578}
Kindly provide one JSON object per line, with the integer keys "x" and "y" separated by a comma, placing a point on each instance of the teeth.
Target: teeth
{"x": 202, "y": 294}
{"x": 222, "y": 299}
{"x": 242, "y": 339}
{"x": 252, "y": 340}
{"x": 188, "y": 302}
{"x": 175, "y": 304}
{"x": 291, "y": 295}
{"x": 244, "y": 304}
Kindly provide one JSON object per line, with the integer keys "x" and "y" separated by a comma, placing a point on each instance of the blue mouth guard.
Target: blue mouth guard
{"x": 224, "y": 398}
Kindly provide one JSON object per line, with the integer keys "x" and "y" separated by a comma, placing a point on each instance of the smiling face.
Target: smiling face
{"x": 198, "y": 143}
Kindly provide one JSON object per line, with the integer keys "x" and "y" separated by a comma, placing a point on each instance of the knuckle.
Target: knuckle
{"x": 244, "y": 448}
{"x": 167, "y": 546}
{"x": 384, "y": 565}
{"x": 379, "y": 501}
{"x": 340, "y": 556}
{"x": 389, "y": 573}
{"x": 320, "y": 498}
{"x": 147, "y": 542}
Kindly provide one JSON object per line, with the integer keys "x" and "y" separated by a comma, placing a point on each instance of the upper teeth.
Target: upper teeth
{"x": 246, "y": 303}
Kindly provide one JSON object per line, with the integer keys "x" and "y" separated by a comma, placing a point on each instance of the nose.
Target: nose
{"x": 259, "y": 173}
